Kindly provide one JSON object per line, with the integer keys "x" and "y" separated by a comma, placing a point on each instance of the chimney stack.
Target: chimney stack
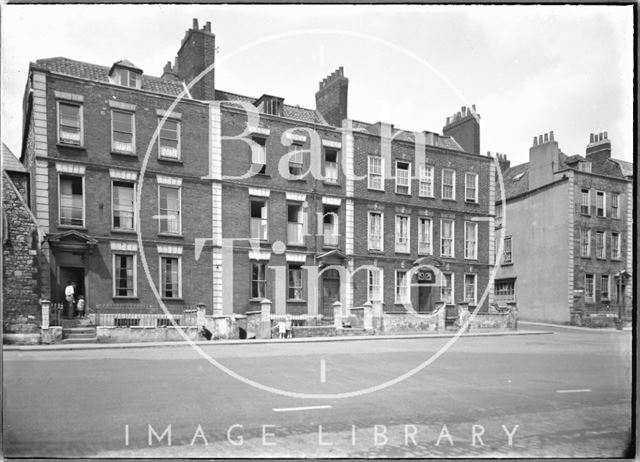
{"x": 464, "y": 127}
{"x": 197, "y": 52}
{"x": 599, "y": 147}
{"x": 544, "y": 156}
{"x": 168, "y": 73}
{"x": 331, "y": 97}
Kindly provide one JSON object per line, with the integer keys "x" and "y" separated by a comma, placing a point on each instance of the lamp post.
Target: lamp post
{"x": 621, "y": 277}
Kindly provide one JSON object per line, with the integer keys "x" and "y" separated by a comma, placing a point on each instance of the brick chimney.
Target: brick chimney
{"x": 543, "y": 160}
{"x": 599, "y": 147}
{"x": 464, "y": 127}
{"x": 168, "y": 73}
{"x": 331, "y": 97}
{"x": 196, "y": 53}
{"x": 503, "y": 162}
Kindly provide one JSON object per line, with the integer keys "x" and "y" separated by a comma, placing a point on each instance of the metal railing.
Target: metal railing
{"x": 139, "y": 315}
{"x": 55, "y": 314}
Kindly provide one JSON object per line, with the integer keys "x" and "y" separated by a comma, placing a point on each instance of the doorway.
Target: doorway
{"x": 66, "y": 274}
{"x": 425, "y": 299}
{"x": 330, "y": 291}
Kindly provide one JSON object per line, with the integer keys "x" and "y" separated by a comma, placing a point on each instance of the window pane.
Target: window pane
{"x": 71, "y": 201}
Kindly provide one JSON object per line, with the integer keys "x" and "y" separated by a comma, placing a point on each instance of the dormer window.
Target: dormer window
{"x": 126, "y": 74}
{"x": 270, "y": 104}
{"x": 585, "y": 167}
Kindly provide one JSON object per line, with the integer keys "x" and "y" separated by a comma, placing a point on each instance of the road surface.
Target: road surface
{"x": 565, "y": 394}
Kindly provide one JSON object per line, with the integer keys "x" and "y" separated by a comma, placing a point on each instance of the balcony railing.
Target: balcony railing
{"x": 259, "y": 228}
{"x": 294, "y": 233}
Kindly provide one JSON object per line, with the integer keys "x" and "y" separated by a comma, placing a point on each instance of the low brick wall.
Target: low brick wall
{"x": 52, "y": 335}
{"x": 313, "y": 331}
{"x": 493, "y": 321}
{"x": 223, "y": 327}
{"x": 407, "y": 322}
{"x": 21, "y": 339}
{"x": 108, "y": 334}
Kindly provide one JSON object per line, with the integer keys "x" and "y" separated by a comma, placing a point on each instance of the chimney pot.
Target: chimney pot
{"x": 606, "y": 136}
{"x": 600, "y": 136}
{"x": 546, "y": 137}
{"x": 535, "y": 140}
{"x": 551, "y": 135}
{"x": 590, "y": 137}
{"x": 195, "y": 23}
{"x": 207, "y": 26}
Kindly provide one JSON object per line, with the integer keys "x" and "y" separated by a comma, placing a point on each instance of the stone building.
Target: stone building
{"x": 243, "y": 198}
{"x": 20, "y": 251}
{"x": 568, "y": 233}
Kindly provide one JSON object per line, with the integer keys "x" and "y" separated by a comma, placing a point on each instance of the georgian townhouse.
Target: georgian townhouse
{"x": 246, "y": 198}
{"x": 568, "y": 233}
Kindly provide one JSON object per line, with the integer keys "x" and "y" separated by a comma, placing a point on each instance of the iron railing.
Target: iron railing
{"x": 139, "y": 315}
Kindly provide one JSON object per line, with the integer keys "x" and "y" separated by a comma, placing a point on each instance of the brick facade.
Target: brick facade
{"x": 216, "y": 196}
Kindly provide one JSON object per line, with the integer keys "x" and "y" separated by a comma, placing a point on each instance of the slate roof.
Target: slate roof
{"x": 10, "y": 162}
{"x": 516, "y": 181}
{"x": 625, "y": 167}
{"x": 440, "y": 141}
{"x": 99, "y": 73}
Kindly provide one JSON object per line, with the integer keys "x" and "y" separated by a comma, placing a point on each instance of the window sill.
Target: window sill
{"x": 448, "y": 200}
{"x": 329, "y": 247}
{"x": 426, "y": 197}
{"x": 177, "y": 236}
{"x": 403, "y": 252}
{"x": 256, "y": 300}
{"x": 425, "y": 253}
{"x": 471, "y": 259}
{"x": 122, "y": 297}
{"x": 295, "y": 300}
{"x": 507, "y": 264}
{"x": 585, "y": 214}
{"x": 448, "y": 257}
{"x": 332, "y": 183}
{"x": 476, "y": 203}
{"x": 586, "y": 257}
{"x": 377, "y": 190}
{"x": 172, "y": 299}
{"x": 616, "y": 259}
{"x": 172, "y": 161}
{"x": 376, "y": 251}
{"x": 262, "y": 175}
{"x": 297, "y": 180}
{"x": 403, "y": 193}
{"x": 123, "y": 231}
{"x": 75, "y": 147}
{"x": 124, "y": 154}
{"x": 79, "y": 228}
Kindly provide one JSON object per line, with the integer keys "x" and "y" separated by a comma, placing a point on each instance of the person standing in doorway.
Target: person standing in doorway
{"x": 69, "y": 296}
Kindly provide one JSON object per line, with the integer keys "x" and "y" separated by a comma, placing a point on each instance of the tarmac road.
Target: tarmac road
{"x": 566, "y": 394}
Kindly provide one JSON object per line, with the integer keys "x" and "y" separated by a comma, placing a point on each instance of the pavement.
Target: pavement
{"x": 102, "y": 346}
{"x": 561, "y": 395}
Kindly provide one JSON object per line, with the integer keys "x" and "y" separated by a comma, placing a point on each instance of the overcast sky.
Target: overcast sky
{"x": 528, "y": 69}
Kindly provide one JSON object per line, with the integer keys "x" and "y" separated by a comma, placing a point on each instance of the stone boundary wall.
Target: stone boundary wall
{"x": 108, "y": 334}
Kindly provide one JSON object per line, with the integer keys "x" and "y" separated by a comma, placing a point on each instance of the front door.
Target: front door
{"x": 330, "y": 292}
{"x": 73, "y": 274}
{"x": 425, "y": 300}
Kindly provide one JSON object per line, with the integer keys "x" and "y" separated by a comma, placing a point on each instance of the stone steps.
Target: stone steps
{"x": 79, "y": 330}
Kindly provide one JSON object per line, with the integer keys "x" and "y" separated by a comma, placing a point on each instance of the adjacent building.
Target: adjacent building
{"x": 567, "y": 231}
{"x": 243, "y": 198}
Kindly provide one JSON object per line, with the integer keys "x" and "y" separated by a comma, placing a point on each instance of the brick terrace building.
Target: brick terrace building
{"x": 222, "y": 221}
{"x": 568, "y": 233}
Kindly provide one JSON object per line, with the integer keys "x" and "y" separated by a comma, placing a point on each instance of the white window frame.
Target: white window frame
{"x": 453, "y": 237}
{"x": 398, "y": 245}
{"x": 121, "y": 71}
{"x": 179, "y": 188}
{"x": 474, "y": 254}
{"x": 160, "y": 267}
{"x": 603, "y": 255}
{"x": 259, "y": 281}
{"x": 616, "y": 249}
{"x": 300, "y": 222}
{"x": 113, "y": 274}
{"x": 178, "y": 135}
{"x": 378, "y": 176}
{"x": 334, "y": 213}
{"x": 133, "y": 132}
{"x": 604, "y": 204}
{"x": 406, "y": 287}
{"x": 408, "y": 184}
{"x": 370, "y": 214}
{"x": 84, "y": 201}
{"x": 592, "y": 297}
{"x": 473, "y": 301}
{"x": 468, "y": 175}
{"x": 298, "y": 267}
{"x": 422, "y": 249}
{"x": 260, "y": 153}
{"x": 588, "y": 204}
{"x": 133, "y": 224}
{"x": 371, "y": 292}
{"x": 453, "y": 185}
{"x": 265, "y": 207}
{"x": 615, "y": 211}
{"x": 588, "y": 242}
{"x": 426, "y": 181}
{"x": 453, "y": 287}
{"x": 296, "y": 160}
{"x": 80, "y": 107}
{"x": 335, "y": 165}
{"x": 604, "y": 296}
{"x": 509, "y": 252}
